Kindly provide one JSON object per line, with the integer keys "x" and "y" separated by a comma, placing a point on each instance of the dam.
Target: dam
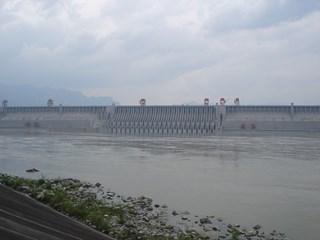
{"x": 203, "y": 120}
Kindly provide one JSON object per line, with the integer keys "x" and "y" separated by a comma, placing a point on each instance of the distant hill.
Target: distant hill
{"x": 28, "y": 95}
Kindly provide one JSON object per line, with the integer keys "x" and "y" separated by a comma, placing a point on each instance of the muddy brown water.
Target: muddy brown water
{"x": 271, "y": 180}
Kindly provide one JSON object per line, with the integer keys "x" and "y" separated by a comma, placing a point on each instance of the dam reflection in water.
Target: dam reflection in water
{"x": 270, "y": 180}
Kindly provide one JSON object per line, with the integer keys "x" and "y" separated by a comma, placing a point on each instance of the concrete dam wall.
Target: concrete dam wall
{"x": 53, "y": 118}
{"x": 163, "y": 120}
{"x": 272, "y": 118}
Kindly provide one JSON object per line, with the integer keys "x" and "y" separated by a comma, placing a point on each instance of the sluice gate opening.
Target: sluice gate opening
{"x": 163, "y": 120}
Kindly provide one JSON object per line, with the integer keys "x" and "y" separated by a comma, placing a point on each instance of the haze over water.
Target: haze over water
{"x": 269, "y": 180}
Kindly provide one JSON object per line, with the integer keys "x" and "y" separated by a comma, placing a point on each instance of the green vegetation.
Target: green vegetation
{"x": 235, "y": 234}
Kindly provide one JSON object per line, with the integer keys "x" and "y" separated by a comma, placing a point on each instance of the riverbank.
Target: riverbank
{"x": 129, "y": 217}
{"x": 24, "y": 218}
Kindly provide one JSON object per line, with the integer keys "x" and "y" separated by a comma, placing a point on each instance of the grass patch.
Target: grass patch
{"x": 235, "y": 234}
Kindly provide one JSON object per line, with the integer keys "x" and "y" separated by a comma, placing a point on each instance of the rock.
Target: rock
{"x": 185, "y": 213}
{"x": 141, "y": 197}
{"x": 219, "y": 219}
{"x": 251, "y": 233}
{"x": 274, "y": 233}
{"x": 215, "y": 228}
{"x": 130, "y": 205}
{"x": 144, "y": 218}
{"x": 184, "y": 217}
{"x": 269, "y": 237}
{"x": 130, "y": 225}
{"x": 98, "y": 184}
{"x": 174, "y": 213}
{"x": 205, "y": 221}
{"x": 164, "y": 206}
{"x": 151, "y": 215}
{"x": 40, "y": 196}
{"x": 154, "y": 223}
{"x": 237, "y": 225}
{"x": 257, "y": 227}
{"x": 25, "y": 188}
{"x": 156, "y": 205}
{"x": 207, "y": 228}
{"x": 110, "y": 194}
{"x": 32, "y": 170}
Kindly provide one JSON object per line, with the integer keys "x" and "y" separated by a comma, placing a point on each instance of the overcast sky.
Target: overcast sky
{"x": 169, "y": 52}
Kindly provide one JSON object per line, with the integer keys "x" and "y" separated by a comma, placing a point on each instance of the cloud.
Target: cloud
{"x": 168, "y": 52}
{"x": 244, "y": 14}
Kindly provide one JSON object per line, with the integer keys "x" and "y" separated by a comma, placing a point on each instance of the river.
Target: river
{"x": 271, "y": 180}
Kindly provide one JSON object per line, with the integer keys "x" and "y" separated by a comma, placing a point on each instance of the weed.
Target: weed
{"x": 235, "y": 234}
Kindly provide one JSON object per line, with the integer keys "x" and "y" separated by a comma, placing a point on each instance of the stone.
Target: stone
{"x": 130, "y": 225}
{"x": 32, "y": 170}
{"x": 183, "y": 217}
{"x": 205, "y": 221}
{"x": 130, "y": 205}
{"x": 207, "y": 228}
{"x": 257, "y": 227}
{"x": 156, "y": 205}
{"x": 25, "y": 188}
{"x": 215, "y": 228}
{"x": 185, "y": 213}
{"x": 40, "y": 196}
{"x": 174, "y": 213}
{"x": 110, "y": 194}
{"x": 269, "y": 237}
{"x": 98, "y": 184}
{"x": 153, "y": 223}
{"x": 251, "y": 233}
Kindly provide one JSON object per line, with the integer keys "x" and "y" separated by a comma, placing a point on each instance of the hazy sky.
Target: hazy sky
{"x": 169, "y": 52}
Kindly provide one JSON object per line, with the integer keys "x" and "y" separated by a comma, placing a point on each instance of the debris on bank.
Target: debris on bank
{"x": 129, "y": 217}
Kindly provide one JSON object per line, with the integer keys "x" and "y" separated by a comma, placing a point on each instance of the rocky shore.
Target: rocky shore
{"x": 130, "y": 217}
